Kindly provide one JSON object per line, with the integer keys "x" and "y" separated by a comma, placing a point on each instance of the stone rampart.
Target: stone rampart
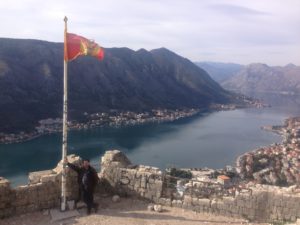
{"x": 254, "y": 202}
{"x": 42, "y": 192}
{"x": 127, "y": 179}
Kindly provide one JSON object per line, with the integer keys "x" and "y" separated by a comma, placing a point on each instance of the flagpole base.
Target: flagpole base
{"x": 63, "y": 205}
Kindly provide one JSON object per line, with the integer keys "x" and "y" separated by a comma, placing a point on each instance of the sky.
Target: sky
{"x": 239, "y": 31}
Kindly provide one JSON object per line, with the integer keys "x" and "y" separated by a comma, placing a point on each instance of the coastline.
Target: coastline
{"x": 115, "y": 118}
{"x": 162, "y": 120}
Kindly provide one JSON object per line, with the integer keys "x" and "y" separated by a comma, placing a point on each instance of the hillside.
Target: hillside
{"x": 261, "y": 78}
{"x": 31, "y": 75}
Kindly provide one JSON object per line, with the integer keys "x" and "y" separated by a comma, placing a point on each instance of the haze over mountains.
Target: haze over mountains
{"x": 262, "y": 78}
{"x": 255, "y": 78}
{"x": 31, "y": 81}
{"x": 220, "y": 71}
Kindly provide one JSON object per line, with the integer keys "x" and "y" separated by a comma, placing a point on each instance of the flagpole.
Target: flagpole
{"x": 65, "y": 124}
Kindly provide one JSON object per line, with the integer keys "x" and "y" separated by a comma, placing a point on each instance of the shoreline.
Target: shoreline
{"x": 52, "y": 126}
{"x": 117, "y": 119}
{"x": 163, "y": 120}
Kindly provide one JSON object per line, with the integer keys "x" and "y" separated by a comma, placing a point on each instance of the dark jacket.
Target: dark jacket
{"x": 87, "y": 178}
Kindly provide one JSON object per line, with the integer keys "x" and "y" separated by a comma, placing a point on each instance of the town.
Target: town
{"x": 111, "y": 118}
{"x": 277, "y": 164}
{"x": 123, "y": 118}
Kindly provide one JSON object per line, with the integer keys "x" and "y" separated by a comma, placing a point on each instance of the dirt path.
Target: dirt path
{"x": 126, "y": 212}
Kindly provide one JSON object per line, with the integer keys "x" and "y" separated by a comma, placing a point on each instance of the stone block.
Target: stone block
{"x": 49, "y": 178}
{"x": 186, "y": 205}
{"x": 240, "y": 203}
{"x": 116, "y": 198}
{"x": 21, "y": 209}
{"x": 115, "y": 156}
{"x": 220, "y": 205}
{"x": 150, "y": 207}
{"x": 35, "y": 177}
{"x": 177, "y": 203}
{"x": 174, "y": 203}
{"x": 204, "y": 202}
{"x": 158, "y": 194}
{"x": 195, "y": 201}
{"x": 213, "y": 204}
{"x": 4, "y": 183}
{"x": 228, "y": 200}
{"x": 21, "y": 195}
{"x": 9, "y": 211}
{"x": 158, "y": 208}
{"x": 168, "y": 202}
{"x": 32, "y": 207}
{"x": 187, "y": 199}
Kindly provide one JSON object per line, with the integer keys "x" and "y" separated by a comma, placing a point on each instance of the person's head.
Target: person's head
{"x": 86, "y": 163}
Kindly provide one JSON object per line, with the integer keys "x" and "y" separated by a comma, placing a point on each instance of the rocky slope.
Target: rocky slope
{"x": 257, "y": 77}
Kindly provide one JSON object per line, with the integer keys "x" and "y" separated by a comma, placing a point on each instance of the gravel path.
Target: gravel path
{"x": 126, "y": 212}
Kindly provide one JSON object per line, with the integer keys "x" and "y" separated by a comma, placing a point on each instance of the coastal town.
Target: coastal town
{"x": 101, "y": 119}
{"x": 122, "y": 118}
{"x": 277, "y": 164}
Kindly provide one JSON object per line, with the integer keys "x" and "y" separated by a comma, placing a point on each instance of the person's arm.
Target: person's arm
{"x": 74, "y": 167}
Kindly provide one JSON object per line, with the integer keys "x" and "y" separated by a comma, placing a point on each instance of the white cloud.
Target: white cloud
{"x": 219, "y": 30}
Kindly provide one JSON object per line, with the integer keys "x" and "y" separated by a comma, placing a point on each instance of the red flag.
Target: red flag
{"x": 76, "y": 45}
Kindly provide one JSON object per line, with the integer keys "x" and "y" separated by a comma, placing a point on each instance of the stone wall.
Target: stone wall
{"x": 42, "y": 192}
{"x": 254, "y": 202}
{"x": 127, "y": 179}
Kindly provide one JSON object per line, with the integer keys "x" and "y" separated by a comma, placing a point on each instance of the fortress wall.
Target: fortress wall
{"x": 42, "y": 192}
{"x": 142, "y": 181}
{"x": 259, "y": 202}
{"x": 264, "y": 203}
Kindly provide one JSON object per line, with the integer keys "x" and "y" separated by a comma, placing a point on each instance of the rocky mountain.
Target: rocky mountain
{"x": 31, "y": 82}
{"x": 261, "y": 78}
{"x": 220, "y": 72}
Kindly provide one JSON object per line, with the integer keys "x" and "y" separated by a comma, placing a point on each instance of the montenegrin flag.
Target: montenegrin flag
{"x": 76, "y": 45}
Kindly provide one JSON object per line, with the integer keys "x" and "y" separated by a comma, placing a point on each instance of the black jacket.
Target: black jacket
{"x": 87, "y": 178}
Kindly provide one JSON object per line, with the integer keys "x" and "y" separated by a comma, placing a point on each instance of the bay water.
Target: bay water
{"x": 212, "y": 140}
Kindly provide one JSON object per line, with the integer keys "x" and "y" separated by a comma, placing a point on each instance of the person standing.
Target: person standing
{"x": 87, "y": 181}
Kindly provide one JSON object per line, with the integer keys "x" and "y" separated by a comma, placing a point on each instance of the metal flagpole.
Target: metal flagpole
{"x": 65, "y": 124}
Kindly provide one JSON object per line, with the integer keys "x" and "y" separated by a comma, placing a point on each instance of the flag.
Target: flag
{"x": 76, "y": 45}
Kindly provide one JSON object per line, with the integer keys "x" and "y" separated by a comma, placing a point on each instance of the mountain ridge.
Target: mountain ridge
{"x": 31, "y": 82}
{"x": 259, "y": 77}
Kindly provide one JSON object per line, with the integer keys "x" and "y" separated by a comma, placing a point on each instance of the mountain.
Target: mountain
{"x": 220, "y": 71}
{"x": 261, "y": 78}
{"x": 31, "y": 83}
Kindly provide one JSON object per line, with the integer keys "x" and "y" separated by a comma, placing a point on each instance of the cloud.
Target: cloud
{"x": 236, "y": 10}
{"x": 229, "y": 30}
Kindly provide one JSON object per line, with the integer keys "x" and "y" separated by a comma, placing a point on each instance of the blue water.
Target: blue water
{"x": 210, "y": 139}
